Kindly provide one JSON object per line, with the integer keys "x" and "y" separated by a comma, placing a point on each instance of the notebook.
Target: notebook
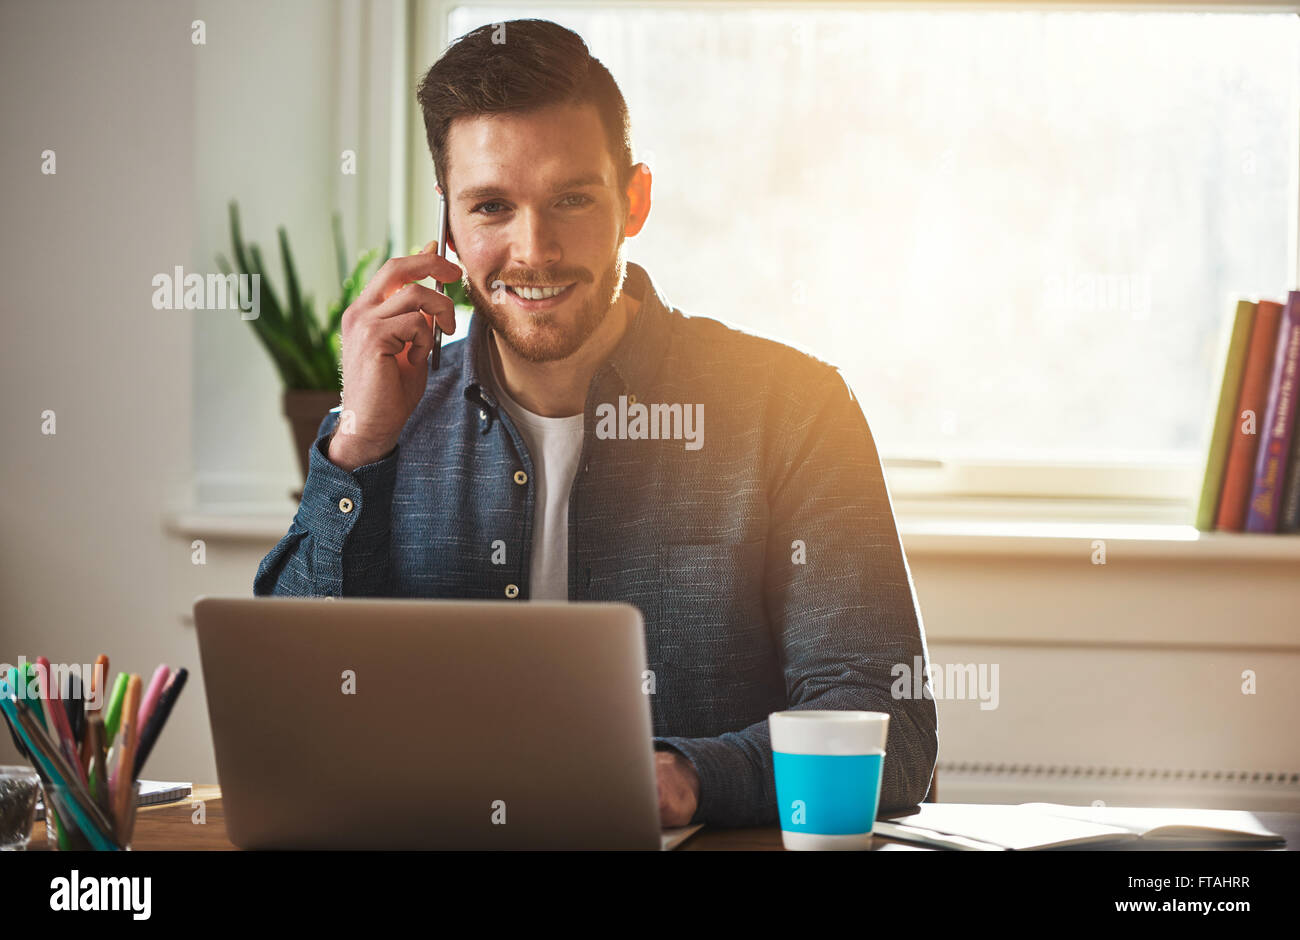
{"x": 151, "y": 792}
{"x": 1029, "y": 826}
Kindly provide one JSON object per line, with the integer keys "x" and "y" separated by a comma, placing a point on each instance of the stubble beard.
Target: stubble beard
{"x": 544, "y": 338}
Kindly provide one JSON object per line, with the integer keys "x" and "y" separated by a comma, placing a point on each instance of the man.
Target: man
{"x": 588, "y": 442}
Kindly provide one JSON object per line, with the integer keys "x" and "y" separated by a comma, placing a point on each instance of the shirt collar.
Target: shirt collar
{"x": 635, "y": 359}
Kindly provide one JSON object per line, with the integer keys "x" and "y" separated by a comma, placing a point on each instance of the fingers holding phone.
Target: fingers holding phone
{"x": 388, "y": 334}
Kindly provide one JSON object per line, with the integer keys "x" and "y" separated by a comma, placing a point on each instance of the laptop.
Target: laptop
{"x": 349, "y": 723}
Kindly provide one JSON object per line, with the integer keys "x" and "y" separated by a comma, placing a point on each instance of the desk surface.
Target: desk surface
{"x": 170, "y": 827}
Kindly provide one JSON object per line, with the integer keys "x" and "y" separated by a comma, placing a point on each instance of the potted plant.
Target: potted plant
{"x": 306, "y": 352}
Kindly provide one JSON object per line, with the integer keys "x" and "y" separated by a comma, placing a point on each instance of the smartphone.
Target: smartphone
{"x": 444, "y": 231}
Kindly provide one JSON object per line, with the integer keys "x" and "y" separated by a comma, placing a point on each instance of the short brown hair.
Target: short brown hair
{"x": 521, "y": 65}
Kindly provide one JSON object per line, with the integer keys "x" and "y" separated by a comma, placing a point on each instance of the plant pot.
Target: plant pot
{"x": 305, "y": 409}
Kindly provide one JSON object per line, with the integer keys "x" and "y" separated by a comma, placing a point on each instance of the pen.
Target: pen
{"x": 153, "y": 727}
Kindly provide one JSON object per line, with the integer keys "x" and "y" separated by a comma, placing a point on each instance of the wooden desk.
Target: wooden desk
{"x": 169, "y": 827}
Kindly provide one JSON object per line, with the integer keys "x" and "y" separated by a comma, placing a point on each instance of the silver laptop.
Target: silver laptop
{"x": 430, "y": 724}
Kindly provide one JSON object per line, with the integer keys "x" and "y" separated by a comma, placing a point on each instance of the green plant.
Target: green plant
{"x": 304, "y": 350}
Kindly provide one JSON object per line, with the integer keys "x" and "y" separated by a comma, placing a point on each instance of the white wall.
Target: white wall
{"x": 153, "y": 135}
{"x": 84, "y": 566}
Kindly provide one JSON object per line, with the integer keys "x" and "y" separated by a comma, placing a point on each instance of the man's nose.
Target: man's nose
{"x": 535, "y": 242}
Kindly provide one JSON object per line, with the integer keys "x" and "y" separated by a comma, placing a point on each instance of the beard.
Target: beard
{"x": 546, "y": 336}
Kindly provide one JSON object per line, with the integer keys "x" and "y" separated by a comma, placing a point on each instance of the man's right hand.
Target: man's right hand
{"x": 387, "y": 335}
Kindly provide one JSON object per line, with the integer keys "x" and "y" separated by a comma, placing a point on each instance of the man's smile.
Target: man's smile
{"x": 540, "y": 298}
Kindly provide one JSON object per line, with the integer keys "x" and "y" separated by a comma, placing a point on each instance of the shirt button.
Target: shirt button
{"x": 512, "y": 590}
{"x": 520, "y": 477}
{"x": 631, "y": 399}
{"x": 482, "y": 413}
{"x": 345, "y": 505}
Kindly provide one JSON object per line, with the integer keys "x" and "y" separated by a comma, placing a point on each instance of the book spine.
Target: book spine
{"x": 1232, "y": 360}
{"x": 1239, "y": 474}
{"x": 1288, "y": 519}
{"x": 1279, "y": 423}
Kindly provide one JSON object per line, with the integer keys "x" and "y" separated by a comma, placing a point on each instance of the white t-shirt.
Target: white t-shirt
{"x": 555, "y": 446}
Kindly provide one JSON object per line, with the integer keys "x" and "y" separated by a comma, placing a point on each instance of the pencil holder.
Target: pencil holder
{"x": 62, "y": 834}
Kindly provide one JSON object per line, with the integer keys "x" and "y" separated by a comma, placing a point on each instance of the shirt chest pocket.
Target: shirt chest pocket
{"x": 711, "y": 608}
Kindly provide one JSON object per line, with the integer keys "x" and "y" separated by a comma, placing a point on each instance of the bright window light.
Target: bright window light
{"x": 1017, "y": 233}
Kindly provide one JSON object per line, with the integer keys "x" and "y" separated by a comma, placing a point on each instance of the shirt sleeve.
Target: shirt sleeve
{"x": 842, "y": 607}
{"x": 338, "y": 541}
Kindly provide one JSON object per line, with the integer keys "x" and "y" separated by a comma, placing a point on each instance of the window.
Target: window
{"x": 1018, "y": 232}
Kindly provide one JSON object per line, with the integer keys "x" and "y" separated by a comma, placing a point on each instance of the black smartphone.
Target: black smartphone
{"x": 444, "y": 230}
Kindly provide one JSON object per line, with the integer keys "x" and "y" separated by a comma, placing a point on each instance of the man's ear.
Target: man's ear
{"x": 638, "y": 199}
{"x": 451, "y": 242}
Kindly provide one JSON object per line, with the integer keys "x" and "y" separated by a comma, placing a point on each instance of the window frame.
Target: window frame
{"x": 1143, "y": 489}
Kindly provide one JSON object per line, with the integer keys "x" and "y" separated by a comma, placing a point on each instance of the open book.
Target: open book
{"x": 998, "y": 827}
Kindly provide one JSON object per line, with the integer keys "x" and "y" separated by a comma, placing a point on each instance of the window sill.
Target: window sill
{"x": 231, "y": 522}
{"x": 924, "y": 533}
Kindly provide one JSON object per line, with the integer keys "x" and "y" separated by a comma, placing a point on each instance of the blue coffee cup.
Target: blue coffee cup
{"x": 828, "y": 767}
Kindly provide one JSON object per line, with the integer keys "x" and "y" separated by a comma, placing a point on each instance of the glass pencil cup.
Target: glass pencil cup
{"x": 63, "y": 834}
{"x": 19, "y": 788}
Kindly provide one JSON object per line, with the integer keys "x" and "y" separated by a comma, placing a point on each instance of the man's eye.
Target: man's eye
{"x": 577, "y": 199}
{"x": 480, "y": 206}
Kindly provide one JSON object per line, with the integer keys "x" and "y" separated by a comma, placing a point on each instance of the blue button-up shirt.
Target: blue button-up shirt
{"x": 761, "y": 548}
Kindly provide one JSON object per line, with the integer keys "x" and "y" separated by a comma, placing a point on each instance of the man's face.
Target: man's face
{"x": 535, "y": 203}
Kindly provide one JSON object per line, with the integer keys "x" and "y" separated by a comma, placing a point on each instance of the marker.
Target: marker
{"x": 43, "y": 680}
{"x": 97, "y": 680}
{"x": 149, "y": 736}
{"x": 150, "y": 701}
{"x": 120, "y": 780}
{"x": 57, "y": 716}
{"x": 31, "y": 691}
{"x": 98, "y": 770}
{"x": 75, "y": 707}
{"x": 114, "y": 716}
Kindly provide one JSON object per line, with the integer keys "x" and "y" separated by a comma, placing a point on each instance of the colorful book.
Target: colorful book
{"x": 1288, "y": 519}
{"x": 1279, "y": 422}
{"x": 1248, "y": 417}
{"x": 1232, "y": 362}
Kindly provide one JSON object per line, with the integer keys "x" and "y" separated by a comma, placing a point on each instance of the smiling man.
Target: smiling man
{"x": 559, "y": 451}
